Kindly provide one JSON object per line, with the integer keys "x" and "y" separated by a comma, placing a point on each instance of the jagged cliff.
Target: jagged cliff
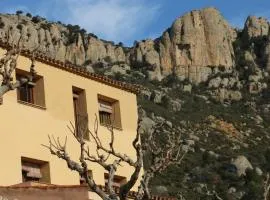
{"x": 190, "y": 48}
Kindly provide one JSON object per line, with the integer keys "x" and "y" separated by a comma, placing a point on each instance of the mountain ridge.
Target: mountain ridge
{"x": 195, "y": 42}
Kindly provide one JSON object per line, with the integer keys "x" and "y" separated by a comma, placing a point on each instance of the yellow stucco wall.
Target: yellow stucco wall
{"x": 25, "y": 128}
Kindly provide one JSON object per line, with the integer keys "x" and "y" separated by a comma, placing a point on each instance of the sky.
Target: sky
{"x": 129, "y": 20}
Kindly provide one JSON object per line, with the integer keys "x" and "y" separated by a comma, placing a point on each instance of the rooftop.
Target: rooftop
{"x": 81, "y": 71}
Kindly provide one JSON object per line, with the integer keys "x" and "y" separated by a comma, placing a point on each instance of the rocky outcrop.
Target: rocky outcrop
{"x": 199, "y": 39}
{"x": 256, "y": 43}
{"x": 242, "y": 164}
{"x": 267, "y": 54}
{"x": 64, "y": 43}
{"x": 256, "y": 27}
{"x": 192, "y": 48}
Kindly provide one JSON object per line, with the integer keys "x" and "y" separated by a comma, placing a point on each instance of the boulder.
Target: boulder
{"x": 242, "y": 164}
{"x": 215, "y": 82}
{"x": 187, "y": 88}
{"x": 157, "y": 96}
{"x": 175, "y": 105}
{"x": 146, "y": 125}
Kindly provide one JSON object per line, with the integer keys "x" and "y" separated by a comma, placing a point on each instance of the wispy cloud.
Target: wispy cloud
{"x": 117, "y": 20}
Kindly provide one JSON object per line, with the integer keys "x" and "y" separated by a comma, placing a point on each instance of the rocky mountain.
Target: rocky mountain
{"x": 203, "y": 76}
{"x": 194, "y": 44}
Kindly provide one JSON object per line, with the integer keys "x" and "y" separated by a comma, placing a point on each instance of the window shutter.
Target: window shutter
{"x": 39, "y": 95}
{"x": 32, "y": 171}
{"x": 105, "y": 107}
{"x": 117, "y": 115}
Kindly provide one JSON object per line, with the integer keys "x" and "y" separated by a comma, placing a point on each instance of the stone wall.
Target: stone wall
{"x": 44, "y": 193}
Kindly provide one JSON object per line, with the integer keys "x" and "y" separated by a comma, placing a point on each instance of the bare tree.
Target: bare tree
{"x": 171, "y": 153}
{"x": 8, "y": 64}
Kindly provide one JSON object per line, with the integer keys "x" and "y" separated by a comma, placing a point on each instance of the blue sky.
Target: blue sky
{"x": 129, "y": 20}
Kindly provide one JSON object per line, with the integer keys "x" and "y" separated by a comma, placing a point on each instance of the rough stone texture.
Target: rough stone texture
{"x": 57, "y": 41}
{"x": 193, "y": 47}
{"x": 215, "y": 82}
{"x": 267, "y": 54}
{"x": 175, "y": 105}
{"x": 199, "y": 39}
{"x": 255, "y": 27}
{"x": 203, "y": 38}
{"x": 223, "y": 94}
{"x": 157, "y": 96}
{"x": 242, "y": 164}
{"x": 145, "y": 53}
{"x": 146, "y": 125}
{"x": 44, "y": 193}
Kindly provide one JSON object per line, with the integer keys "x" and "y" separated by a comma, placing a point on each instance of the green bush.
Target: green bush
{"x": 19, "y": 12}
{"x": 28, "y": 15}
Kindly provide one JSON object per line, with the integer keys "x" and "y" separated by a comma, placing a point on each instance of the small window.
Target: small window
{"x": 118, "y": 181}
{"x": 35, "y": 170}
{"x": 80, "y": 112}
{"x": 31, "y": 92}
{"x": 82, "y": 180}
{"x": 109, "y": 112}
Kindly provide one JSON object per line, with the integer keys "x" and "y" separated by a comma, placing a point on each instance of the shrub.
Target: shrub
{"x": 28, "y": 15}
{"x": 19, "y": 12}
{"x": 36, "y": 19}
{"x": 45, "y": 26}
{"x": 108, "y": 59}
{"x": 19, "y": 26}
{"x": 120, "y": 44}
{"x": 92, "y": 35}
{"x": 2, "y": 24}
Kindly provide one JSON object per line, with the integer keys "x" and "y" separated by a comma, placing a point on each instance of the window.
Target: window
{"x": 80, "y": 112}
{"x": 35, "y": 170}
{"x": 82, "y": 180}
{"x": 117, "y": 180}
{"x": 31, "y": 92}
{"x": 109, "y": 112}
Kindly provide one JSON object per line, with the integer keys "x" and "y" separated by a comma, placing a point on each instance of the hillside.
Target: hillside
{"x": 202, "y": 75}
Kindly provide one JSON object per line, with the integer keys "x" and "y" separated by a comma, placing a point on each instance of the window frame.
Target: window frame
{"x": 43, "y": 166}
{"x": 35, "y": 94}
{"x": 115, "y": 115}
{"x": 79, "y": 103}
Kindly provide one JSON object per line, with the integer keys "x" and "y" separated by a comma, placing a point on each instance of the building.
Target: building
{"x": 59, "y": 94}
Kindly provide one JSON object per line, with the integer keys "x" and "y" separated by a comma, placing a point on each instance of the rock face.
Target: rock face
{"x": 65, "y": 43}
{"x": 196, "y": 41}
{"x": 242, "y": 164}
{"x": 267, "y": 53}
{"x": 192, "y": 48}
{"x": 256, "y": 27}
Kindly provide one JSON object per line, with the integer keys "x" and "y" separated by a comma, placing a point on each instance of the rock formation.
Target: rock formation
{"x": 196, "y": 41}
{"x": 191, "y": 48}
{"x": 256, "y": 27}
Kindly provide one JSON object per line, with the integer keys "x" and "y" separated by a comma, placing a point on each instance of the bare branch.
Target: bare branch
{"x": 8, "y": 64}
{"x": 170, "y": 153}
{"x": 266, "y": 187}
{"x": 59, "y": 150}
